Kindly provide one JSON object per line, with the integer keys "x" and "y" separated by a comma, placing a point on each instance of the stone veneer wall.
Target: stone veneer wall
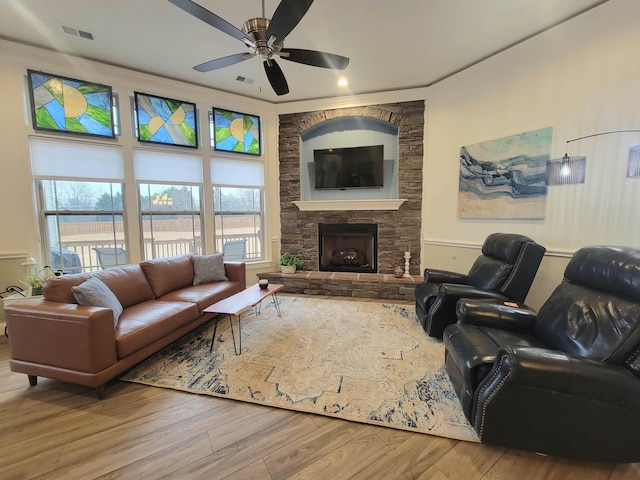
{"x": 397, "y": 229}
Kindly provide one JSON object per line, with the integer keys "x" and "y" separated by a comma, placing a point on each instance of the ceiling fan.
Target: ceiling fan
{"x": 265, "y": 38}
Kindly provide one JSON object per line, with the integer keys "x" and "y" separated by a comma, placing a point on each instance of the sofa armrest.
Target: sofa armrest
{"x": 62, "y": 335}
{"x": 548, "y": 401}
{"x": 236, "y": 272}
{"x": 502, "y": 314}
{"x": 443, "y": 276}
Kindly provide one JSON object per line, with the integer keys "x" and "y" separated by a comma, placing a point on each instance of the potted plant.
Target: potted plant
{"x": 34, "y": 284}
{"x": 289, "y": 263}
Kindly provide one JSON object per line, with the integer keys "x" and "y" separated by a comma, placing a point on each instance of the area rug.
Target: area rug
{"x": 356, "y": 360}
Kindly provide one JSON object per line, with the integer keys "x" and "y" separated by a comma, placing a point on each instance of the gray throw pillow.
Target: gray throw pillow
{"x": 208, "y": 268}
{"x": 95, "y": 293}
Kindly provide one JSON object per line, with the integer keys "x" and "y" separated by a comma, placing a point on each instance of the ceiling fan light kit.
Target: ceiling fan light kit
{"x": 265, "y": 38}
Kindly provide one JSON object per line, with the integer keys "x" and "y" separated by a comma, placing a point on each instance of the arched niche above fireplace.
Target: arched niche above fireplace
{"x": 344, "y": 132}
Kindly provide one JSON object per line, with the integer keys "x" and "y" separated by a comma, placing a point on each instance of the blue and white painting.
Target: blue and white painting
{"x": 505, "y": 177}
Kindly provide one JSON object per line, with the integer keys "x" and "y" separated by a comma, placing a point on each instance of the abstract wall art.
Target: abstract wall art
{"x": 505, "y": 177}
{"x": 633, "y": 165}
{"x": 68, "y": 105}
{"x": 236, "y": 132}
{"x": 165, "y": 120}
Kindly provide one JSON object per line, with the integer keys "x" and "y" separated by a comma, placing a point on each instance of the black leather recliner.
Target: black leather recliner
{"x": 565, "y": 381}
{"x": 505, "y": 270}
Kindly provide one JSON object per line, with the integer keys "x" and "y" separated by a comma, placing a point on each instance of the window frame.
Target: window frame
{"x": 150, "y": 213}
{"x": 45, "y": 213}
{"x": 251, "y": 213}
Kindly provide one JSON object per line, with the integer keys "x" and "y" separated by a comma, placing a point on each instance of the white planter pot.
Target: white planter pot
{"x": 286, "y": 269}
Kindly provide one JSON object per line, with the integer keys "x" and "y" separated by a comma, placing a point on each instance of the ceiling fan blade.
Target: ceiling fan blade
{"x": 314, "y": 58}
{"x": 223, "y": 62}
{"x": 213, "y": 20}
{"x": 276, "y": 77}
{"x": 286, "y": 17}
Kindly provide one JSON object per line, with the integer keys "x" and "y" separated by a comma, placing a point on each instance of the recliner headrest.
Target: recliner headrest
{"x": 504, "y": 246}
{"x": 611, "y": 269}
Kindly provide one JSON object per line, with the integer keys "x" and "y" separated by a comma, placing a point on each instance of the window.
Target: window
{"x": 170, "y": 216}
{"x": 238, "y": 204}
{"x": 82, "y": 219}
{"x": 80, "y": 202}
{"x": 169, "y": 192}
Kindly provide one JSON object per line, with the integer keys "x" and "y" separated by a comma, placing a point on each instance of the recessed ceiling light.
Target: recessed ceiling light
{"x": 343, "y": 82}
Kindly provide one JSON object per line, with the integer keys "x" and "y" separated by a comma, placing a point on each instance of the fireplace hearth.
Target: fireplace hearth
{"x": 348, "y": 247}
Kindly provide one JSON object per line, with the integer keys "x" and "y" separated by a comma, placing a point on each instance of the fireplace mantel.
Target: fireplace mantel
{"x": 328, "y": 205}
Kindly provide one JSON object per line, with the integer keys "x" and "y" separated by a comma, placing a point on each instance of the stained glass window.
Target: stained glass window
{"x": 236, "y": 132}
{"x": 165, "y": 120}
{"x": 68, "y": 105}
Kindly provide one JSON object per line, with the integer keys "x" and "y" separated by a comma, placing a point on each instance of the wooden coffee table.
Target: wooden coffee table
{"x": 237, "y": 304}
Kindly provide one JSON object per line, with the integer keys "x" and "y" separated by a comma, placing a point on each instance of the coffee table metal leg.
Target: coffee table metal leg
{"x": 276, "y": 303}
{"x": 213, "y": 337}
{"x": 233, "y": 335}
{"x": 258, "y": 307}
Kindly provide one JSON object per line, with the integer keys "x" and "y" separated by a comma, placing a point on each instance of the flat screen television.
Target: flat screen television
{"x": 353, "y": 167}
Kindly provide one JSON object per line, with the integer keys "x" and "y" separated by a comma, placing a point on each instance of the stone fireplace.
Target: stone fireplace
{"x": 346, "y": 247}
{"x": 398, "y": 230}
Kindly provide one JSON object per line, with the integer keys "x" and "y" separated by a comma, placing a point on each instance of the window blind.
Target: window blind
{"x": 167, "y": 167}
{"x": 74, "y": 159}
{"x": 246, "y": 173}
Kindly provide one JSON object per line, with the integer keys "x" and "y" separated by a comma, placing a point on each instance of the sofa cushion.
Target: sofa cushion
{"x": 168, "y": 274}
{"x": 58, "y": 289}
{"x": 204, "y": 295}
{"x": 141, "y": 325}
{"x": 208, "y": 268}
{"x": 95, "y": 293}
{"x": 127, "y": 282}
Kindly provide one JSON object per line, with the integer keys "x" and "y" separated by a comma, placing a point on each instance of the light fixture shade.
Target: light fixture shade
{"x": 633, "y": 167}
{"x": 566, "y": 170}
{"x": 29, "y": 261}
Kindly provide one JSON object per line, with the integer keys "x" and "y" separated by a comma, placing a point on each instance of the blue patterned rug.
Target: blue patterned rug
{"x": 361, "y": 361}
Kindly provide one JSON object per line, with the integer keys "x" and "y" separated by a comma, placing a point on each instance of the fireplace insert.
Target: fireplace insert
{"x": 345, "y": 247}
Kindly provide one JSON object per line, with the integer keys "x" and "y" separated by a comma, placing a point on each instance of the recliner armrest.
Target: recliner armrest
{"x": 442, "y": 310}
{"x": 502, "y": 314}
{"x": 443, "y": 276}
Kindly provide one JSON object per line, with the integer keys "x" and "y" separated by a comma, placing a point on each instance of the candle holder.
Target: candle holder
{"x": 407, "y": 257}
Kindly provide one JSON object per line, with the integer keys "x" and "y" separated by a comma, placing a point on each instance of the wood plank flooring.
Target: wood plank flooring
{"x": 62, "y": 431}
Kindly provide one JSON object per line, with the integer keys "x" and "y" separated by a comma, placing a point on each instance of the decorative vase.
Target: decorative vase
{"x": 288, "y": 269}
{"x": 398, "y": 272}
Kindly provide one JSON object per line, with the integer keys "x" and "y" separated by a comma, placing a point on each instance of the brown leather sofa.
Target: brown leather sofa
{"x": 54, "y": 337}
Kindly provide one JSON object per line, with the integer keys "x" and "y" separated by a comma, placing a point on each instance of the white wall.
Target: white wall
{"x": 20, "y": 233}
{"x": 580, "y": 78}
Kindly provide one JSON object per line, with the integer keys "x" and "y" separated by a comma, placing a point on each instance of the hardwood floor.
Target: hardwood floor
{"x": 62, "y": 431}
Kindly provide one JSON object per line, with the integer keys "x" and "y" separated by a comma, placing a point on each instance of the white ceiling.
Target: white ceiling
{"x": 392, "y": 44}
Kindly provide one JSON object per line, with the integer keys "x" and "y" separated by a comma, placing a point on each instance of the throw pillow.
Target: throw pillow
{"x": 208, "y": 268}
{"x": 94, "y": 292}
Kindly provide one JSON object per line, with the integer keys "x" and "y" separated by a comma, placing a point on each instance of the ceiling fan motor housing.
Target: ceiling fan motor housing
{"x": 257, "y": 29}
